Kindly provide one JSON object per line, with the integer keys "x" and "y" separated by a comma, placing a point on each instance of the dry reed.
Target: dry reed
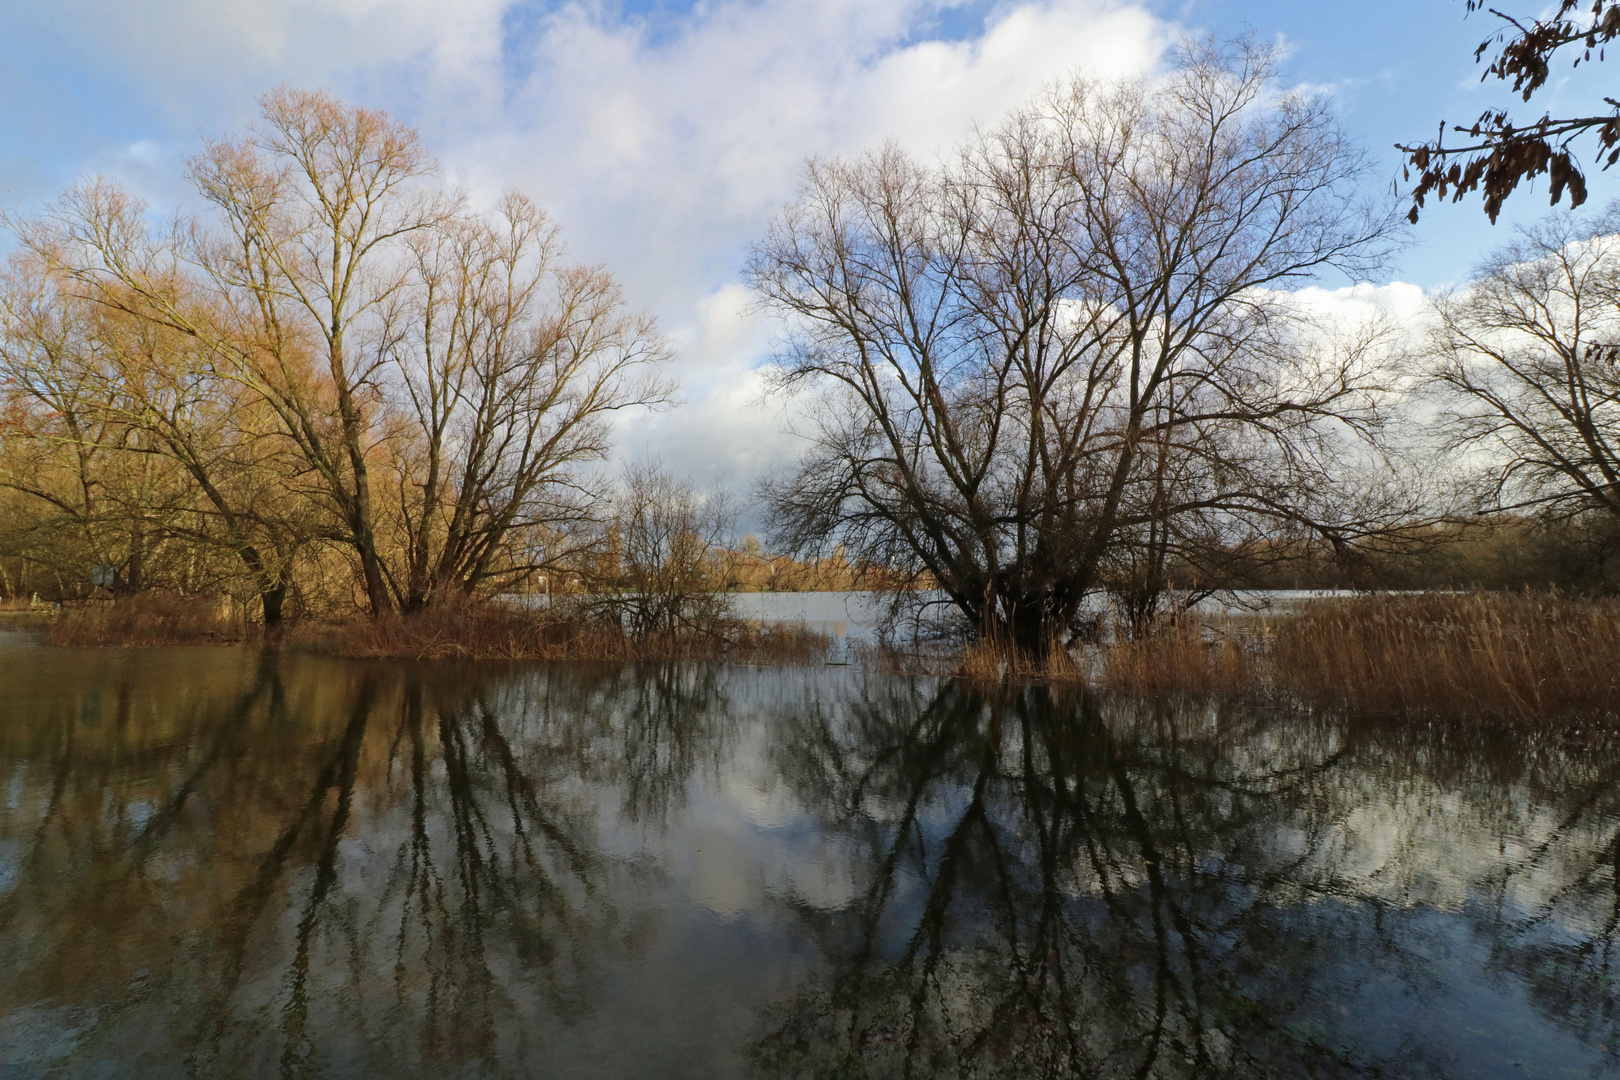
{"x": 1523, "y": 656}
{"x": 1187, "y": 655}
{"x": 491, "y": 632}
{"x": 1486, "y": 656}
{"x": 149, "y": 619}
{"x": 1184, "y": 656}
{"x": 987, "y": 661}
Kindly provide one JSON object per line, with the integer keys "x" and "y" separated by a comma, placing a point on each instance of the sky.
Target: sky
{"x": 662, "y": 135}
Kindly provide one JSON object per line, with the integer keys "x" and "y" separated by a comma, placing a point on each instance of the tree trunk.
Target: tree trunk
{"x": 365, "y": 541}
{"x": 273, "y": 597}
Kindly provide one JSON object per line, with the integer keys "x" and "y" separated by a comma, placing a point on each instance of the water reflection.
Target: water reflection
{"x": 220, "y": 863}
{"x": 1064, "y": 886}
{"x": 332, "y": 868}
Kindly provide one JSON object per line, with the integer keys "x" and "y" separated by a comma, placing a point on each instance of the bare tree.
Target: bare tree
{"x": 1005, "y": 348}
{"x": 1525, "y": 359}
{"x": 315, "y": 203}
{"x": 671, "y": 546}
{"x": 513, "y": 364}
{"x": 316, "y": 207}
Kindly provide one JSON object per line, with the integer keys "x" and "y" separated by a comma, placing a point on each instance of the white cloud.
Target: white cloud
{"x": 670, "y": 153}
{"x": 196, "y": 58}
{"x": 1398, "y": 302}
{"x": 665, "y": 156}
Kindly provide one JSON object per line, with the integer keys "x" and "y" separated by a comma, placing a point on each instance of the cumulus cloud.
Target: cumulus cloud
{"x": 665, "y": 154}
{"x": 679, "y": 146}
{"x": 661, "y": 144}
{"x": 1399, "y": 308}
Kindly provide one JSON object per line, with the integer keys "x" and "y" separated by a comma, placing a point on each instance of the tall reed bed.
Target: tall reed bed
{"x": 1522, "y": 656}
{"x": 1188, "y": 655}
{"x": 1486, "y": 656}
{"x": 988, "y": 661}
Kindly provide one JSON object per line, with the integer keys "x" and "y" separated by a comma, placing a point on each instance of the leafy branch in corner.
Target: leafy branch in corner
{"x": 1498, "y": 154}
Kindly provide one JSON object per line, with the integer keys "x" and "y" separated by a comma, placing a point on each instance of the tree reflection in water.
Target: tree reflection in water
{"x": 1071, "y": 886}
{"x": 219, "y": 864}
{"x": 360, "y": 869}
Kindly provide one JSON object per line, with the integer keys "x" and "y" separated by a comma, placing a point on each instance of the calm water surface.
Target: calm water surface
{"x": 855, "y": 617}
{"x": 220, "y": 864}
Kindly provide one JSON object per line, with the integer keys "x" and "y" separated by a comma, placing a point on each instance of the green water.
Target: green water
{"x": 220, "y": 864}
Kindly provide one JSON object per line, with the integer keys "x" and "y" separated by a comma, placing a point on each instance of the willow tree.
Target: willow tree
{"x": 312, "y": 211}
{"x": 993, "y": 344}
{"x": 90, "y": 494}
{"x": 159, "y": 450}
{"x": 367, "y": 323}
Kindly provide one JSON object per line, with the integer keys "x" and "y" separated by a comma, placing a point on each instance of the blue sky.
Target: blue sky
{"x": 663, "y": 133}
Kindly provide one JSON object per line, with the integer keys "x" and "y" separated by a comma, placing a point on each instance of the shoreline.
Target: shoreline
{"x": 1497, "y": 657}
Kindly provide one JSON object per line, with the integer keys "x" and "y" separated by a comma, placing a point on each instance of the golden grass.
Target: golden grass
{"x": 1188, "y": 655}
{"x": 1185, "y": 656}
{"x": 987, "y": 661}
{"x": 149, "y": 619}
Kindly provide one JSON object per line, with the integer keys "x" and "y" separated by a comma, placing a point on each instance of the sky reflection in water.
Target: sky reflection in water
{"x": 214, "y": 863}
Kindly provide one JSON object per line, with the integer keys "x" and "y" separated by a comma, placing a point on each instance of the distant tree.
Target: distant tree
{"x": 672, "y": 543}
{"x": 1497, "y": 153}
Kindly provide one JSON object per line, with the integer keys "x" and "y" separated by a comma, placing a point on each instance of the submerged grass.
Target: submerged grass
{"x": 1488, "y": 656}
{"x": 473, "y": 631}
{"x": 1500, "y": 657}
{"x": 1188, "y": 655}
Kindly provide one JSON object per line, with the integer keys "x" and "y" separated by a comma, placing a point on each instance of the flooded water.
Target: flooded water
{"x": 858, "y": 617}
{"x": 220, "y": 864}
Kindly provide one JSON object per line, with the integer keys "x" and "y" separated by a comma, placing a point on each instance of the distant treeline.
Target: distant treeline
{"x": 1505, "y": 552}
